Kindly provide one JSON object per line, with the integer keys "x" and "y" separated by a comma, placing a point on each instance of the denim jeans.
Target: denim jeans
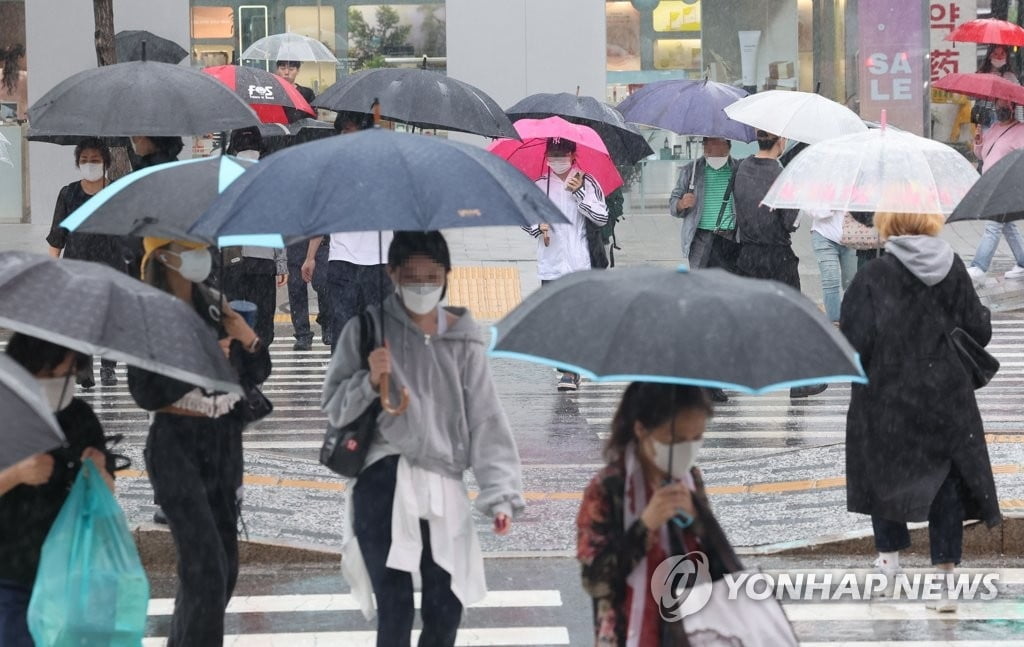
{"x": 837, "y": 264}
{"x": 945, "y": 526}
{"x": 372, "y": 501}
{"x": 14, "y": 598}
{"x": 990, "y": 240}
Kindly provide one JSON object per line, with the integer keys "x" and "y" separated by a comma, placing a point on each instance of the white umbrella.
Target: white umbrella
{"x": 289, "y": 47}
{"x": 883, "y": 170}
{"x": 800, "y": 116}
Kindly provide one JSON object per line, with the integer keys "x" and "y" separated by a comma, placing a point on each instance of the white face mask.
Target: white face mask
{"x": 194, "y": 265}
{"x": 684, "y": 456}
{"x": 248, "y": 155}
{"x": 998, "y": 62}
{"x": 420, "y": 298}
{"x": 717, "y": 162}
{"x": 560, "y": 165}
{"x": 59, "y": 391}
{"x": 91, "y": 172}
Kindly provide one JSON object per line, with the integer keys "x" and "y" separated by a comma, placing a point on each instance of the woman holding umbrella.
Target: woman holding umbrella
{"x": 92, "y": 159}
{"x": 629, "y": 521}
{"x": 915, "y": 442}
{"x": 33, "y": 491}
{"x": 408, "y": 510}
{"x": 194, "y": 448}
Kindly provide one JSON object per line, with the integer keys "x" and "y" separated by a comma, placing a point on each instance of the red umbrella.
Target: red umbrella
{"x": 273, "y": 98}
{"x": 529, "y": 155}
{"x": 981, "y": 86}
{"x": 988, "y": 30}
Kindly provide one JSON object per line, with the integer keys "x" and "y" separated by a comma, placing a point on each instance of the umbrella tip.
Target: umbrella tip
{"x": 885, "y": 120}
{"x": 683, "y": 269}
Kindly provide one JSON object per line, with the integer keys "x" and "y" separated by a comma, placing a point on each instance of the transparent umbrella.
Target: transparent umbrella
{"x": 800, "y": 116}
{"x": 288, "y": 47}
{"x": 883, "y": 170}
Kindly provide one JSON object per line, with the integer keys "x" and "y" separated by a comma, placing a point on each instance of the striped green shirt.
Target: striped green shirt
{"x": 715, "y": 184}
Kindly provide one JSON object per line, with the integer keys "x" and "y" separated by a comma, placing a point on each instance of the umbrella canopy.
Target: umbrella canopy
{"x": 800, "y": 116}
{"x": 141, "y": 45}
{"x": 302, "y": 130}
{"x": 530, "y": 154}
{"x": 625, "y": 144}
{"x": 988, "y": 30}
{"x": 687, "y": 108}
{"x": 139, "y": 98}
{"x": 274, "y": 99}
{"x": 766, "y": 335}
{"x": 879, "y": 170}
{"x": 420, "y": 98}
{"x": 183, "y": 190}
{"x": 374, "y": 180}
{"x": 288, "y": 47}
{"x": 981, "y": 86}
{"x": 997, "y": 195}
{"x": 97, "y": 310}
{"x": 29, "y": 424}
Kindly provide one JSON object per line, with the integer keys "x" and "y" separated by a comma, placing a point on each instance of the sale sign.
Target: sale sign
{"x": 894, "y": 66}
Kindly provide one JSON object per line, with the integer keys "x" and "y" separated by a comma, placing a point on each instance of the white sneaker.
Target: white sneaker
{"x": 944, "y": 604}
{"x": 890, "y": 580}
{"x": 1016, "y": 273}
{"x": 976, "y": 273}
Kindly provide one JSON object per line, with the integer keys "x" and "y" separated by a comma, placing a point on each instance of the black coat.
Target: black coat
{"x": 917, "y": 418}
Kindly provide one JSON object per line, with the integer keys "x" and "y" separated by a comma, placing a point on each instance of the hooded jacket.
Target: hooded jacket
{"x": 455, "y": 420}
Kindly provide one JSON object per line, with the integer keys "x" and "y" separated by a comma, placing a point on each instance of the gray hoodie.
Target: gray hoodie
{"x": 454, "y": 421}
{"x": 927, "y": 257}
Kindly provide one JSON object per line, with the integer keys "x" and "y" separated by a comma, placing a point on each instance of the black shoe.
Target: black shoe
{"x": 718, "y": 395}
{"x": 87, "y": 383}
{"x": 804, "y": 391}
{"x": 108, "y": 377}
{"x": 303, "y": 345}
{"x": 159, "y": 517}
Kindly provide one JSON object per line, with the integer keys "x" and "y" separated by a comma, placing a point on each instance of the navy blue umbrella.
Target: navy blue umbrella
{"x": 687, "y": 108}
{"x": 374, "y": 180}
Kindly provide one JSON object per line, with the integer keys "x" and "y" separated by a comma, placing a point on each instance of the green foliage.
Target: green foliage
{"x": 368, "y": 44}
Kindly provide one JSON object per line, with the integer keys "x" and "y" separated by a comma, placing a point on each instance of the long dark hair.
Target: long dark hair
{"x": 987, "y": 67}
{"x": 10, "y": 57}
{"x": 651, "y": 404}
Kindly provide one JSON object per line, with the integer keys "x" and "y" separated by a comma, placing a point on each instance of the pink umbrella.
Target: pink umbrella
{"x": 529, "y": 155}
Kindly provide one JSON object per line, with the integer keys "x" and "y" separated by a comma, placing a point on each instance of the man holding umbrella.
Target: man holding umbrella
{"x": 702, "y": 199}
{"x": 563, "y": 249}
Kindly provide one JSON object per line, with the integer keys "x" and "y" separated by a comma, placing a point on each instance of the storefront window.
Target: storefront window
{"x": 677, "y": 16}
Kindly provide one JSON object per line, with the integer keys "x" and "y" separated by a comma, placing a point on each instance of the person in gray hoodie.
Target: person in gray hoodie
{"x": 915, "y": 445}
{"x": 408, "y": 511}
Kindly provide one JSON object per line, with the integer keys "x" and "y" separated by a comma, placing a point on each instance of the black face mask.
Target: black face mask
{"x": 1004, "y": 114}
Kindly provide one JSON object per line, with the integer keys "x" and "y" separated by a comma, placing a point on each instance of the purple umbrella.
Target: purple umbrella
{"x": 687, "y": 108}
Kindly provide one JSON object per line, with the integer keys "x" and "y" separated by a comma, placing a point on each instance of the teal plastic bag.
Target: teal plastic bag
{"x": 91, "y": 589}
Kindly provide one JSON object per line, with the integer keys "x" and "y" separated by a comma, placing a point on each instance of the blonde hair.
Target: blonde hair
{"x": 908, "y": 224}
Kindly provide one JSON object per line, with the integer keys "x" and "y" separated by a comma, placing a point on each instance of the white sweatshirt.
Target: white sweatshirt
{"x": 568, "y": 251}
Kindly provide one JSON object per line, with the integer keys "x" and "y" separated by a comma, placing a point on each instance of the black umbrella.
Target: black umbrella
{"x": 161, "y": 201}
{"x": 303, "y": 130}
{"x": 129, "y": 45}
{"x": 419, "y": 98}
{"x": 997, "y": 195}
{"x": 29, "y": 424}
{"x": 139, "y": 98}
{"x": 625, "y": 143}
{"x": 97, "y": 310}
{"x": 374, "y": 180}
{"x": 707, "y": 328}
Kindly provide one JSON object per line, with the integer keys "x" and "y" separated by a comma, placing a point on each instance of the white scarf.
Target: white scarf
{"x": 634, "y": 502}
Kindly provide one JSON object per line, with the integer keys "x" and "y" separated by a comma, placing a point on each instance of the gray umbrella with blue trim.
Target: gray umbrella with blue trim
{"x": 29, "y": 424}
{"x": 706, "y": 328}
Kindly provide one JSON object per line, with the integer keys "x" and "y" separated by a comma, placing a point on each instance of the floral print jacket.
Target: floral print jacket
{"x": 608, "y": 552}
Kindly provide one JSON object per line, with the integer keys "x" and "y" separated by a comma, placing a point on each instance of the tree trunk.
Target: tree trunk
{"x": 106, "y": 54}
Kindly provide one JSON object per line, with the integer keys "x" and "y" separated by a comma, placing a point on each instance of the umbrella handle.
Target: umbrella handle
{"x": 385, "y": 399}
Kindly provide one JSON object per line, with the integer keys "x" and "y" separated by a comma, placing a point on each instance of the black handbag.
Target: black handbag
{"x": 344, "y": 449}
{"x": 255, "y": 406}
{"x": 980, "y": 365}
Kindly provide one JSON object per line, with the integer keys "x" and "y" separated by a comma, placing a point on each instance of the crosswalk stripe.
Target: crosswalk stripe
{"x": 346, "y": 602}
{"x": 480, "y": 637}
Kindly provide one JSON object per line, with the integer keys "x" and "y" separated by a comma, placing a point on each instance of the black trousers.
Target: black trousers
{"x": 351, "y": 289}
{"x": 945, "y": 525}
{"x": 372, "y": 501}
{"x": 298, "y": 292}
{"x": 254, "y": 280}
{"x": 195, "y": 467}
